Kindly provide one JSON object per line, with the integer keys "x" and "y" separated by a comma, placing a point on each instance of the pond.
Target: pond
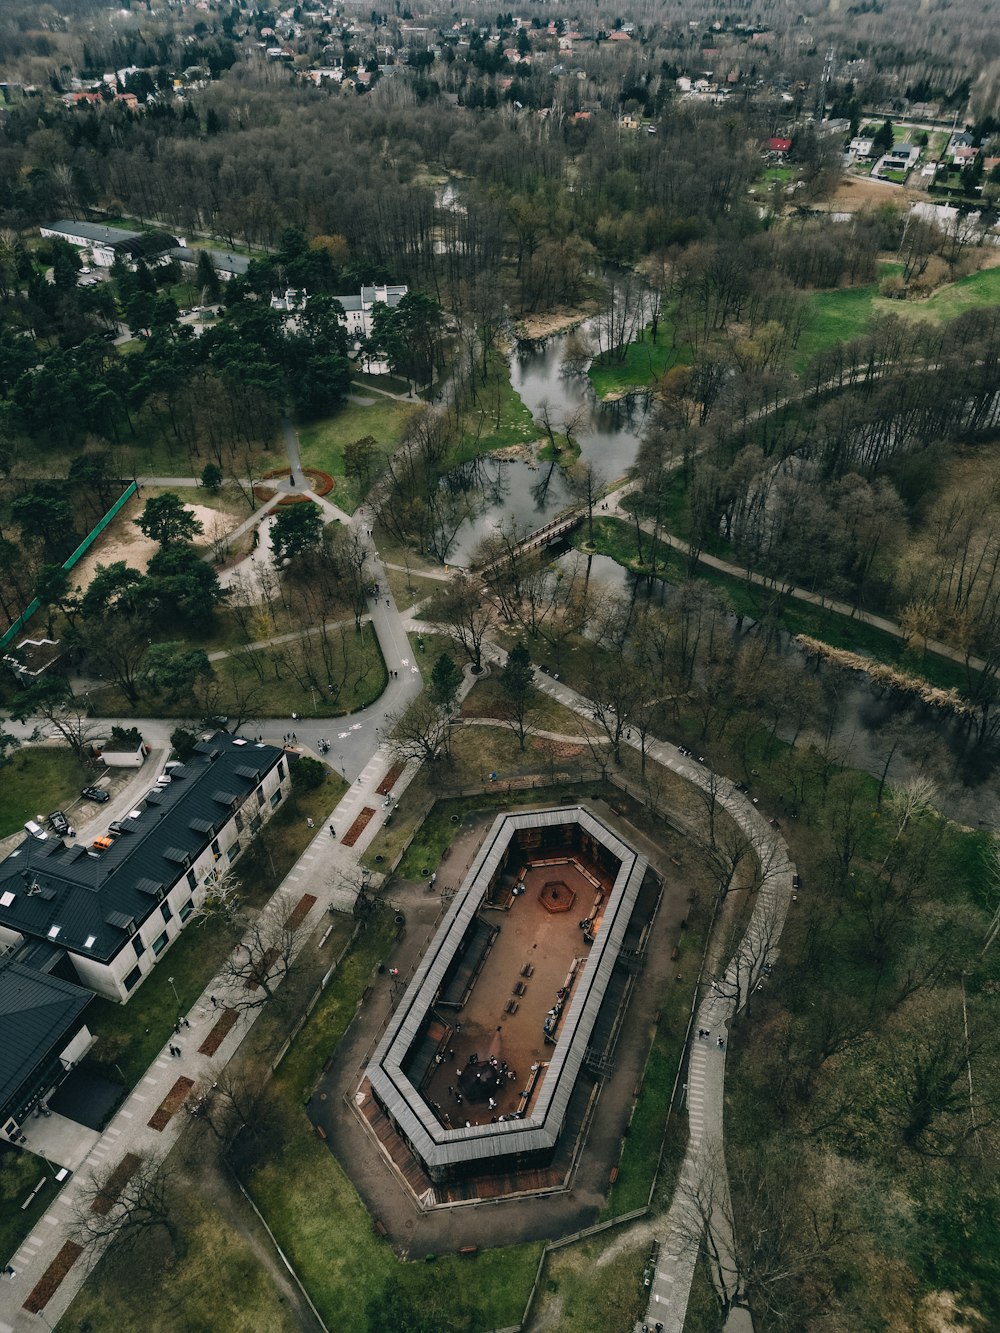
{"x": 531, "y": 493}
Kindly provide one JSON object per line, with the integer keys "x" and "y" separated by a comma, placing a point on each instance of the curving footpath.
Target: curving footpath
{"x": 701, "y": 1202}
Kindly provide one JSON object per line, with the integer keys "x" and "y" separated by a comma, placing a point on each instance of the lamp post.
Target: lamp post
{"x": 176, "y": 996}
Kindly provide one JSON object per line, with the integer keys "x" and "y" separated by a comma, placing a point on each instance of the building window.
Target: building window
{"x": 138, "y": 946}
{"x": 260, "y": 795}
{"x": 275, "y": 798}
{"x": 215, "y": 849}
{"x": 159, "y": 944}
{"x": 186, "y": 909}
{"x": 165, "y": 912}
{"x": 255, "y": 823}
{"x": 132, "y": 980}
{"x": 192, "y": 880}
{"x": 281, "y": 770}
{"x": 234, "y": 852}
{"x": 239, "y": 822}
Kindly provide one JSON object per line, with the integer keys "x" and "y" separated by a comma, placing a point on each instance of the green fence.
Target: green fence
{"x": 88, "y": 541}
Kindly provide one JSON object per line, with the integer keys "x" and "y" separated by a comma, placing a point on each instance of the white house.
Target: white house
{"x": 357, "y": 309}
{"x": 103, "y": 244}
{"x": 115, "y": 910}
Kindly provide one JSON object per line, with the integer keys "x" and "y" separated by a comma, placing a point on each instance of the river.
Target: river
{"x": 870, "y": 726}
{"x": 531, "y": 493}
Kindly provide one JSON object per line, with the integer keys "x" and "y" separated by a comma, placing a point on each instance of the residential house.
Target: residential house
{"x": 114, "y": 909}
{"x": 357, "y": 309}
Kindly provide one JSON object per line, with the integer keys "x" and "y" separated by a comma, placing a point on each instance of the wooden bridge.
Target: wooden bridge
{"x": 541, "y": 537}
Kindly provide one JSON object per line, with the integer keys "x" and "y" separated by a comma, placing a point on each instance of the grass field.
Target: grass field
{"x": 498, "y": 421}
{"x": 978, "y": 289}
{"x": 582, "y": 1293}
{"x": 216, "y": 1282}
{"x": 644, "y": 362}
{"x": 361, "y": 678}
{"x": 35, "y": 781}
{"x": 322, "y": 443}
{"x": 844, "y": 314}
{"x": 320, "y": 1222}
{"x": 20, "y": 1172}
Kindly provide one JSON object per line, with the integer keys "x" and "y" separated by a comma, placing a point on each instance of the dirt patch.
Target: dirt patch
{"x": 301, "y": 910}
{"x": 171, "y": 1104}
{"x": 560, "y": 749}
{"x": 358, "y": 827}
{"x": 545, "y": 325}
{"x": 218, "y": 1034}
{"x": 48, "y": 1284}
{"x": 390, "y": 779}
{"x": 855, "y": 193}
{"x": 116, "y": 1182}
{"x": 122, "y": 540}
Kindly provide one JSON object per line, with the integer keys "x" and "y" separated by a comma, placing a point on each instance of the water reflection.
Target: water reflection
{"x": 872, "y": 729}
{"x": 608, "y": 436}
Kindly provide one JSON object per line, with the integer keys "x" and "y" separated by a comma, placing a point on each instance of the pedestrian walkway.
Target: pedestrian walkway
{"x": 790, "y": 590}
{"x": 324, "y": 878}
{"x": 701, "y": 1204}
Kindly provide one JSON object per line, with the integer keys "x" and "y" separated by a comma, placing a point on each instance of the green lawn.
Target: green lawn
{"x": 581, "y": 1292}
{"x": 35, "y": 781}
{"x": 281, "y": 692}
{"x": 388, "y": 382}
{"x": 500, "y": 419}
{"x": 835, "y": 317}
{"x": 20, "y": 1172}
{"x": 644, "y": 362}
{"x": 217, "y": 1282}
{"x": 321, "y": 443}
{"x": 978, "y": 289}
{"x": 323, "y": 1226}
{"x": 844, "y": 314}
{"x": 645, "y": 1135}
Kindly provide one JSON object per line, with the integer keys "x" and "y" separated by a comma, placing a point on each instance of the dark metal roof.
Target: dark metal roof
{"x": 434, "y": 1144}
{"x": 86, "y": 895}
{"x": 37, "y": 1013}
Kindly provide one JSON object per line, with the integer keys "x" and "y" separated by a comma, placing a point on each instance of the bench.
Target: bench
{"x": 520, "y": 988}
{"x": 510, "y": 1007}
{"x": 528, "y": 970}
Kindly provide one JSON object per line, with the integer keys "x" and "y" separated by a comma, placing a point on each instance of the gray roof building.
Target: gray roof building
{"x": 91, "y": 901}
{"x": 446, "y": 1152}
{"x": 40, "y": 1016}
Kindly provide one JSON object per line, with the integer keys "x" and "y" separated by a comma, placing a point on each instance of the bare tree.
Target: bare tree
{"x": 236, "y": 1102}
{"x": 119, "y": 1204}
{"x": 264, "y": 958}
{"x": 421, "y": 731}
{"x": 467, "y": 613}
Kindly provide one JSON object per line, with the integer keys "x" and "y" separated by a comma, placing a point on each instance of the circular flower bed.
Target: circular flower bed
{"x": 320, "y": 483}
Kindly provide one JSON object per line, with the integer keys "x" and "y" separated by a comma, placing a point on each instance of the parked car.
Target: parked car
{"x": 59, "y": 824}
{"x": 115, "y": 828}
{"x": 35, "y": 830}
{"x": 97, "y": 794}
